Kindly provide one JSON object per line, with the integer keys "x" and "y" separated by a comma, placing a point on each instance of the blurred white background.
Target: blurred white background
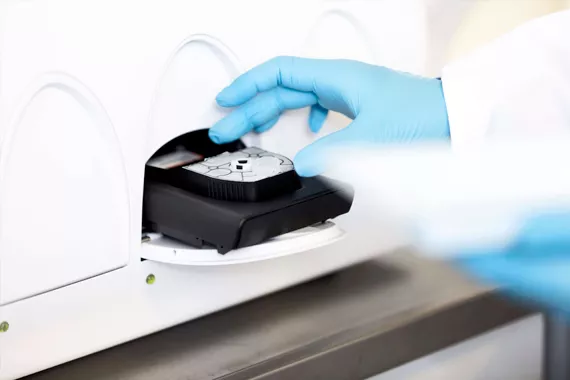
{"x": 514, "y": 351}
{"x": 459, "y": 26}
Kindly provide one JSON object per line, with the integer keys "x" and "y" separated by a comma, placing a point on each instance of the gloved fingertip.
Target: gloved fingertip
{"x": 316, "y": 126}
{"x": 317, "y": 118}
{"x": 216, "y": 137}
{"x": 307, "y": 171}
{"x": 223, "y": 99}
{"x": 308, "y": 163}
{"x": 232, "y": 96}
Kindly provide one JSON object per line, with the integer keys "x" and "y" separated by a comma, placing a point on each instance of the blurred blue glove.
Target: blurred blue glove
{"x": 386, "y": 106}
{"x": 536, "y": 267}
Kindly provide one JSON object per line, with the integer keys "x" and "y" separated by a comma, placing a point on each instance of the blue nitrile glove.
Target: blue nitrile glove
{"x": 536, "y": 267}
{"x": 386, "y": 105}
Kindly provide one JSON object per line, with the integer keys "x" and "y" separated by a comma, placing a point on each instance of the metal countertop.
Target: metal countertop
{"x": 351, "y": 325}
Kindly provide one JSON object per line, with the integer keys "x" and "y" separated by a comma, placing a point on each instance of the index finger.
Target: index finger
{"x": 289, "y": 72}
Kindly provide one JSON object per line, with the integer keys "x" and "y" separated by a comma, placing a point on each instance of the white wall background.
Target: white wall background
{"x": 459, "y": 26}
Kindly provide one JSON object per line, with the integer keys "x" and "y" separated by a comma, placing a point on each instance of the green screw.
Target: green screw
{"x": 150, "y": 279}
{"x": 4, "y": 326}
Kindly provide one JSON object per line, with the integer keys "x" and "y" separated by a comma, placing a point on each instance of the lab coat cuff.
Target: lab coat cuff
{"x": 468, "y": 103}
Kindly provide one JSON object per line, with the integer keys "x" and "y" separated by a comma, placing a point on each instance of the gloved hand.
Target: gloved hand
{"x": 386, "y": 106}
{"x": 536, "y": 267}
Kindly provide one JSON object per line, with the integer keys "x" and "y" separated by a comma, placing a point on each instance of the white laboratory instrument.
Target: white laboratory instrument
{"x": 89, "y": 90}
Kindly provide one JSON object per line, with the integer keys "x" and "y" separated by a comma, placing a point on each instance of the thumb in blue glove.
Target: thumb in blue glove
{"x": 386, "y": 106}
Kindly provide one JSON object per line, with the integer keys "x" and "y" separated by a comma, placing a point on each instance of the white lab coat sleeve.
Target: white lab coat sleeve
{"x": 518, "y": 85}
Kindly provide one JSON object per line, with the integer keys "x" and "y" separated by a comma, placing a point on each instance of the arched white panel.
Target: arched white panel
{"x": 64, "y": 204}
{"x": 339, "y": 35}
{"x": 336, "y": 34}
{"x": 185, "y": 97}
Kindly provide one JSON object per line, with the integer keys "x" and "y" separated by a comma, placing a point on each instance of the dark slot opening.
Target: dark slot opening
{"x": 197, "y": 142}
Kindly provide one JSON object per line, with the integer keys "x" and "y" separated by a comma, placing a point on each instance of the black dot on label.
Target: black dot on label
{"x": 239, "y": 167}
